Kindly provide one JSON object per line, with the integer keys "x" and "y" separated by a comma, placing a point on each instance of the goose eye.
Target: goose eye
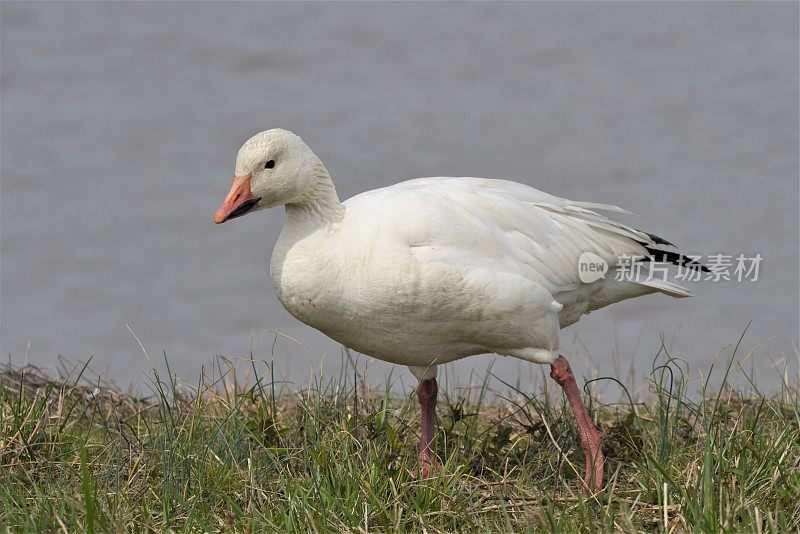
{"x": 270, "y": 164}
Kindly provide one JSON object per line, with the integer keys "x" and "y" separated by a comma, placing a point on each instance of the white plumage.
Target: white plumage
{"x": 431, "y": 270}
{"x": 435, "y": 269}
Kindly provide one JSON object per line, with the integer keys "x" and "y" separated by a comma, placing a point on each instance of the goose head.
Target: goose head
{"x": 274, "y": 167}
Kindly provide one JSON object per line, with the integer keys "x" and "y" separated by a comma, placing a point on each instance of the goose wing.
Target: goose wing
{"x": 512, "y": 228}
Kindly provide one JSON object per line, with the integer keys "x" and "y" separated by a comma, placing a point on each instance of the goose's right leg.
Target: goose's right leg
{"x": 591, "y": 438}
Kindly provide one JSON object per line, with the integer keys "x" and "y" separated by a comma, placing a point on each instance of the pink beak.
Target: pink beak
{"x": 239, "y": 201}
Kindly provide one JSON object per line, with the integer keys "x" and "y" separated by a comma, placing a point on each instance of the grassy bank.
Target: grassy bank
{"x": 234, "y": 456}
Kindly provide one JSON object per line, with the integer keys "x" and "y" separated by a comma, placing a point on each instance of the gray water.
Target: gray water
{"x": 120, "y": 124}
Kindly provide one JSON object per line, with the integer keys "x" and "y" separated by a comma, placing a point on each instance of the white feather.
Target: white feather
{"x": 435, "y": 269}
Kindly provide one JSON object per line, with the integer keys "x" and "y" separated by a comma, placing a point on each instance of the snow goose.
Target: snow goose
{"x": 432, "y": 270}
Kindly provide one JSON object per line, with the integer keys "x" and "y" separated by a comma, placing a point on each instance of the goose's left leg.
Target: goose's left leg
{"x": 591, "y": 438}
{"x": 426, "y": 393}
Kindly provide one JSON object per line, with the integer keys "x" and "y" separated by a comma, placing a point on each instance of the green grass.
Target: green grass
{"x": 228, "y": 455}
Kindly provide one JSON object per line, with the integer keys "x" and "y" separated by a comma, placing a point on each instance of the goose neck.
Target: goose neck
{"x": 320, "y": 206}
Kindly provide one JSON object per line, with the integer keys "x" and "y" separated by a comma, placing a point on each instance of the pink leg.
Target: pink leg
{"x": 426, "y": 393}
{"x": 591, "y": 438}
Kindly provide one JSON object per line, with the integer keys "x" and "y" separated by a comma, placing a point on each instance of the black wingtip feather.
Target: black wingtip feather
{"x": 676, "y": 258}
{"x": 659, "y": 240}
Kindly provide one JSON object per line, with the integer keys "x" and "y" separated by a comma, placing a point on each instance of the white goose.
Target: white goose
{"x": 436, "y": 269}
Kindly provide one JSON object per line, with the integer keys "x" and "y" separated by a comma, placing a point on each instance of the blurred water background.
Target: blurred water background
{"x": 120, "y": 124}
